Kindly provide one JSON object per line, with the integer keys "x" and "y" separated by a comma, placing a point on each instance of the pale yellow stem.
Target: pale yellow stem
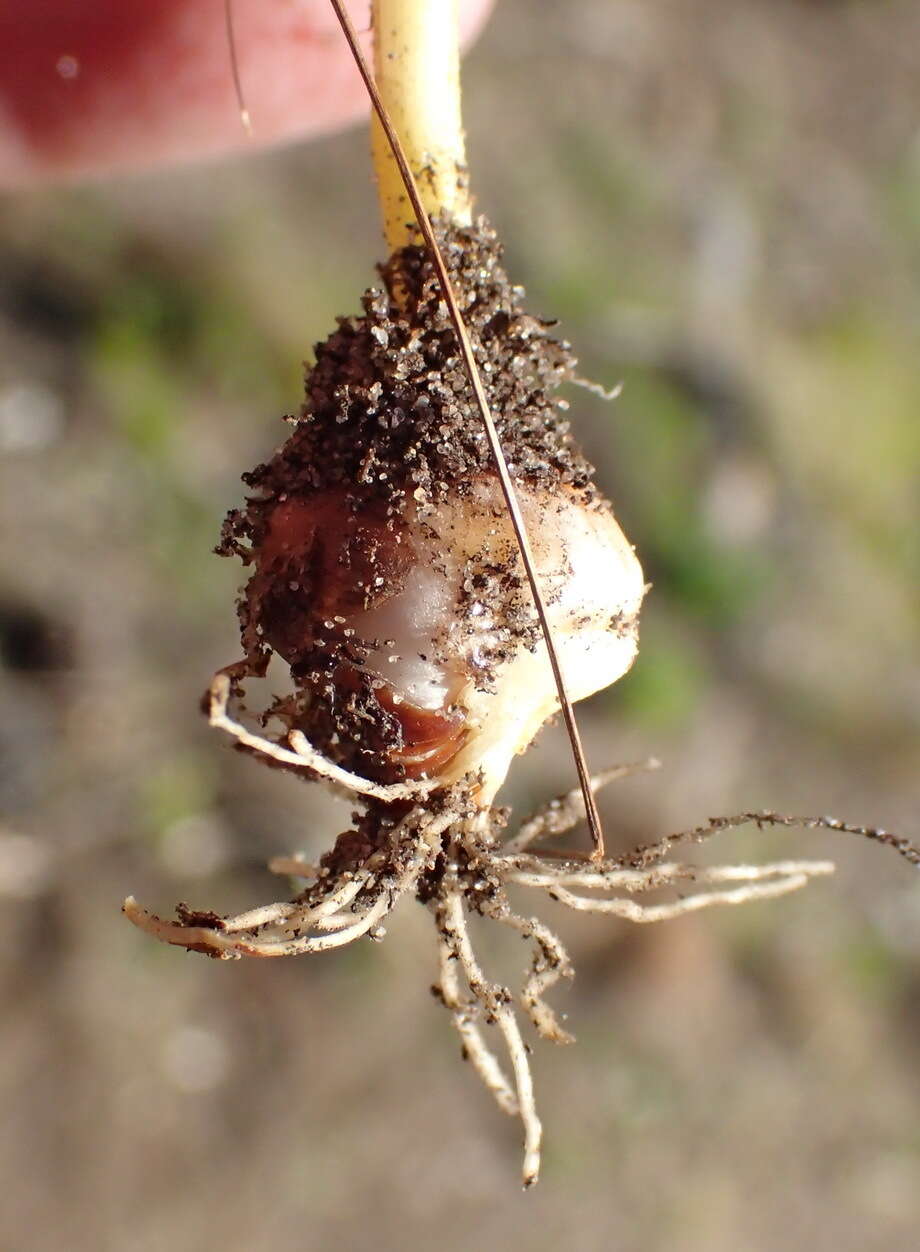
{"x": 417, "y": 68}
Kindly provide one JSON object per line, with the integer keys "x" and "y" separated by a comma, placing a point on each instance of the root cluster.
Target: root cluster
{"x": 454, "y": 857}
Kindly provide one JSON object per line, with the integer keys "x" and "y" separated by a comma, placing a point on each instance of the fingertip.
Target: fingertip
{"x": 123, "y": 84}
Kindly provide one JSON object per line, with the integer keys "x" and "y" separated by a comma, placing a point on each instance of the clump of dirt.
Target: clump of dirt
{"x": 389, "y": 408}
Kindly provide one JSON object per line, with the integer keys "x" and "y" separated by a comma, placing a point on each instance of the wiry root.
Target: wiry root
{"x": 292, "y": 867}
{"x": 759, "y": 882}
{"x": 273, "y": 930}
{"x": 549, "y": 963}
{"x": 644, "y": 870}
{"x": 301, "y": 756}
{"x": 494, "y": 1003}
{"x": 561, "y": 814}
{"x": 335, "y": 910}
{"x": 466, "y": 1012}
{"x": 766, "y": 818}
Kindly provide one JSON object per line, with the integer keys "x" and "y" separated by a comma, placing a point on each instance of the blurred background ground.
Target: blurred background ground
{"x": 722, "y": 204}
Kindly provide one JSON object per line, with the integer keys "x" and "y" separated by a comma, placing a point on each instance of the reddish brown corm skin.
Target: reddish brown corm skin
{"x": 320, "y": 559}
{"x": 320, "y": 562}
{"x": 431, "y": 738}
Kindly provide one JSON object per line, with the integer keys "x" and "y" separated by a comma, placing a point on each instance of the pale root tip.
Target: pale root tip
{"x": 194, "y": 938}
